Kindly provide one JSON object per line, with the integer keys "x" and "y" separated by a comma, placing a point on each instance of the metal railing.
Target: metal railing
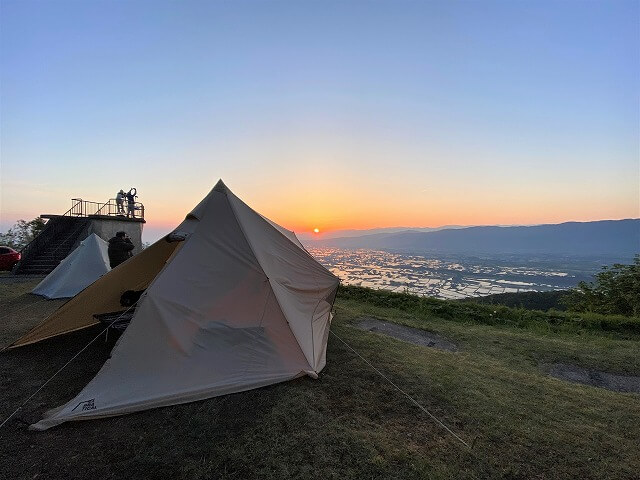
{"x": 110, "y": 208}
{"x": 79, "y": 209}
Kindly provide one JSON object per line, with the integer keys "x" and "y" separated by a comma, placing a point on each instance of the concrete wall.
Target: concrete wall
{"x": 107, "y": 228}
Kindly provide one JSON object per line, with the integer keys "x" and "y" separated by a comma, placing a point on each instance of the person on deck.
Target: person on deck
{"x": 120, "y": 249}
{"x": 131, "y": 202}
{"x": 120, "y": 202}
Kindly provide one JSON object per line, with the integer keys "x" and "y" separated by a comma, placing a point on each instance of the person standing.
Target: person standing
{"x": 131, "y": 203}
{"x": 120, "y": 249}
{"x": 120, "y": 202}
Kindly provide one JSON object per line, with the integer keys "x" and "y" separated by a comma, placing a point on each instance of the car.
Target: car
{"x": 8, "y": 258}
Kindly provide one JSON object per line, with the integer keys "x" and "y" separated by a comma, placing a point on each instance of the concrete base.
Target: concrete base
{"x": 106, "y": 228}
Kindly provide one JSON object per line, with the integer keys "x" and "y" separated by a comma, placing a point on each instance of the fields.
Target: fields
{"x": 350, "y": 423}
{"x": 454, "y": 276}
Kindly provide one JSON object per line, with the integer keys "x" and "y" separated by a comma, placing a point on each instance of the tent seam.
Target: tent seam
{"x": 246, "y": 237}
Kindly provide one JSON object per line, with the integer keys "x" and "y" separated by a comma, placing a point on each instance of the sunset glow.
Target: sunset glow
{"x": 458, "y": 115}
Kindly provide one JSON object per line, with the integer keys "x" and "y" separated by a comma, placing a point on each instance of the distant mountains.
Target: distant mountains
{"x": 605, "y": 238}
{"x": 309, "y": 237}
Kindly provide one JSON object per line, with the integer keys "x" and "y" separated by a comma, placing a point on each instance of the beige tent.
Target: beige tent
{"x": 237, "y": 304}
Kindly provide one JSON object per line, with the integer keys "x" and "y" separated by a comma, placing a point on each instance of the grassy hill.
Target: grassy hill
{"x": 351, "y": 423}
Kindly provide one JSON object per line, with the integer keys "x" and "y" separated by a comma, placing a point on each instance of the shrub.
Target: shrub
{"x": 615, "y": 291}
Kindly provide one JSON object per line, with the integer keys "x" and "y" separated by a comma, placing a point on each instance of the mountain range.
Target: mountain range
{"x": 310, "y": 237}
{"x": 604, "y": 238}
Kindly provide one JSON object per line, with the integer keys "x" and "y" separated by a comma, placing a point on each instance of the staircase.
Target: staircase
{"x": 49, "y": 248}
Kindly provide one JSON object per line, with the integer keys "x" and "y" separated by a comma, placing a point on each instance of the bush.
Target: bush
{"x": 615, "y": 291}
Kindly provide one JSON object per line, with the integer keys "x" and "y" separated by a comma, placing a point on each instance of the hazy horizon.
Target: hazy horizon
{"x": 156, "y": 234}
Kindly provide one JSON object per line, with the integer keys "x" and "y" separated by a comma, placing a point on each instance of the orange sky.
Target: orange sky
{"x": 303, "y": 208}
{"x": 350, "y": 202}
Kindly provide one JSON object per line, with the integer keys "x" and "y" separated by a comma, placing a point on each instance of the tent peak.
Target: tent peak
{"x": 220, "y": 187}
{"x": 198, "y": 210}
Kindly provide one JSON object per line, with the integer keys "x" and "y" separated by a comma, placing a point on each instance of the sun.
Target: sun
{"x": 316, "y": 230}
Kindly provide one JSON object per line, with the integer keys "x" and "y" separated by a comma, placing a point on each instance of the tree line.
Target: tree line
{"x": 21, "y": 233}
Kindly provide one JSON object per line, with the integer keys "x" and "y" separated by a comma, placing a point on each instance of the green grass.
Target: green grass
{"x": 468, "y": 312}
{"x": 351, "y": 424}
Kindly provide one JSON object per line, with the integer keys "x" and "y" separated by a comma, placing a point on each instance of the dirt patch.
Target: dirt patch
{"x": 406, "y": 334}
{"x": 595, "y": 378}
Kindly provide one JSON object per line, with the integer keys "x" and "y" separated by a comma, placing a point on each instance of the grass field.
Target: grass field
{"x": 350, "y": 424}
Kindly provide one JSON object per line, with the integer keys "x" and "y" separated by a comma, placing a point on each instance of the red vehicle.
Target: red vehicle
{"x": 8, "y": 258}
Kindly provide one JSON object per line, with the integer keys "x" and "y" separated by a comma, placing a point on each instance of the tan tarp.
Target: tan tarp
{"x": 103, "y": 295}
{"x": 239, "y": 305}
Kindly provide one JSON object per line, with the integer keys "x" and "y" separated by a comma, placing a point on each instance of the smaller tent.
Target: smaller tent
{"x": 87, "y": 263}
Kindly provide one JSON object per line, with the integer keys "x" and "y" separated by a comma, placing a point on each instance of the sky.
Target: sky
{"x": 324, "y": 114}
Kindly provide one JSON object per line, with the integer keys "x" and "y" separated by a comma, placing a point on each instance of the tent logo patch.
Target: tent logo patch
{"x": 86, "y": 405}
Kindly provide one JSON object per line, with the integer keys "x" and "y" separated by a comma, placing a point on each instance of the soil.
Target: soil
{"x": 406, "y": 334}
{"x": 595, "y": 378}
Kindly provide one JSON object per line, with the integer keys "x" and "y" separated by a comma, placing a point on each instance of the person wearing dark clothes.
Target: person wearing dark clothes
{"x": 131, "y": 202}
{"x": 120, "y": 248}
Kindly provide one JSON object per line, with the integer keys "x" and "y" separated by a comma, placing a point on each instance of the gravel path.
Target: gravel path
{"x": 595, "y": 378}
{"x": 406, "y": 334}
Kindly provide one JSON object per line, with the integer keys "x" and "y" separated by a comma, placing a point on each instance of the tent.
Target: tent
{"x": 232, "y": 302}
{"x": 88, "y": 262}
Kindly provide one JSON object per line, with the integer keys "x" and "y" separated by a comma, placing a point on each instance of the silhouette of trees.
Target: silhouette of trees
{"x": 616, "y": 290}
{"x": 22, "y": 232}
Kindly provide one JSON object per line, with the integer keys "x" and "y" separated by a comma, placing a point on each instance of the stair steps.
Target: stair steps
{"x": 56, "y": 244}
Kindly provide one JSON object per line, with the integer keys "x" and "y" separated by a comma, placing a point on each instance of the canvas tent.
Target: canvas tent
{"x": 237, "y": 304}
{"x": 88, "y": 262}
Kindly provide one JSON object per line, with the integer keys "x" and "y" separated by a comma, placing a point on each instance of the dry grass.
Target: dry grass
{"x": 19, "y": 309}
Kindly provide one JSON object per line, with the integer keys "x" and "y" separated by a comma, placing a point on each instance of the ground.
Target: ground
{"x": 350, "y": 423}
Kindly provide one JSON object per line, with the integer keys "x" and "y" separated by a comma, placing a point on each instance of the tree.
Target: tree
{"x": 22, "y": 233}
{"x": 615, "y": 291}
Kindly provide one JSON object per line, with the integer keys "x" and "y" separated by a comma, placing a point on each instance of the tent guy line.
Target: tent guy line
{"x": 433, "y": 417}
{"x": 63, "y": 367}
